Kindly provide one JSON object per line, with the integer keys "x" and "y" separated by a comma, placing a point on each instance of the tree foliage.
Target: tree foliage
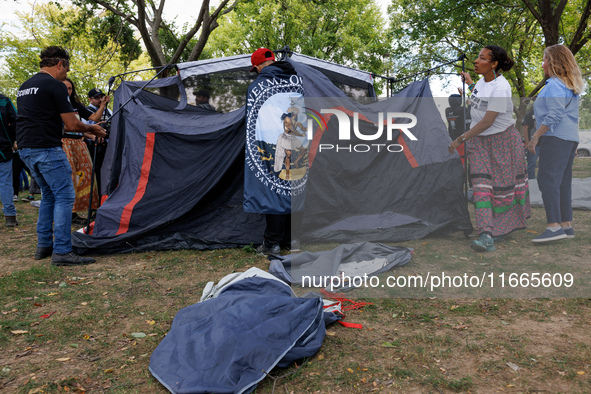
{"x": 428, "y": 32}
{"x": 164, "y": 43}
{"x": 349, "y": 32}
{"x": 95, "y": 54}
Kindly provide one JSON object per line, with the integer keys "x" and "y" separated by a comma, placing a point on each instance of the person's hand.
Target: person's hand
{"x": 98, "y": 130}
{"x": 466, "y": 78}
{"x": 532, "y": 145}
{"x": 105, "y": 100}
{"x": 453, "y": 146}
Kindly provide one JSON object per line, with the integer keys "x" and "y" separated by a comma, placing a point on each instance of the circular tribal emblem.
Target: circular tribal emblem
{"x": 276, "y": 141}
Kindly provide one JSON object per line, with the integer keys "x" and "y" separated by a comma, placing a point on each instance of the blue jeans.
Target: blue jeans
{"x": 6, "y": 192}
{"x": 555, "y": 175}
{"x": 53, "y": 173}
{"x": 532, "y": 160}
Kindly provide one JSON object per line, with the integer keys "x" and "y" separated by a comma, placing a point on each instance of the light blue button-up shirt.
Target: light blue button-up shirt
{"x": 558, "y": 108}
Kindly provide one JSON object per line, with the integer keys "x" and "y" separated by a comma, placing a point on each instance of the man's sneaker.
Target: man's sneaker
{"x": 43, "y": 252}
{"x": 36, "y": 203}
{"x": 549, "y": 235}
{"x": 569, "y": 231}
{"x": 11, "y": 221}
{"x": 15, "y": 198}
{"x": 264, "y": 249}
{"x": 70, "y": 259}
{"x": 29, "y": 198}
{"x": 483, "y": 244}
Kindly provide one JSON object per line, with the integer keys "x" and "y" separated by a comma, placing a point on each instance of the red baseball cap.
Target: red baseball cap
{"x": 260, "y": 56}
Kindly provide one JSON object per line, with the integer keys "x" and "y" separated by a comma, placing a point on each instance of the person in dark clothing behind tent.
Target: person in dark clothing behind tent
{"x": 44, "y": 108}
{"x": 458, "y": 120}
{"x": 202, "y": 100}
{"x": 529, "y": 127}
{"x": 7, "y": 138}
{"x": 98, "y": 105}
{"x": 275, "y": 206}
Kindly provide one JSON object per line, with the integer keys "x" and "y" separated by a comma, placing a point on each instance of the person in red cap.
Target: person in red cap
{"x": 258, "y": 199}
{"x": 261, "y": 58}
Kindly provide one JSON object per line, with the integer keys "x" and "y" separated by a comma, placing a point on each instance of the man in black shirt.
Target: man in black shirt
{"x": 44, "y": 110}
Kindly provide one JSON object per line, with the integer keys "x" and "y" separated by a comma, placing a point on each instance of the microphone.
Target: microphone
{"x": 111, "y": 81}
{"x": 462, "y": 57}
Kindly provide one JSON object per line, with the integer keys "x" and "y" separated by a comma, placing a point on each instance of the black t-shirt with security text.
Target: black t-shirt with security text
{"x": 40, "y": 101}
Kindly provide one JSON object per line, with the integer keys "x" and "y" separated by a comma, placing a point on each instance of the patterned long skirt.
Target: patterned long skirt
{"x": 81, "y": 164}
{"x": 499, "y": 181}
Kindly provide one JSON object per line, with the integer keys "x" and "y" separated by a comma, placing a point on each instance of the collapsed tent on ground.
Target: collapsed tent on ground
{"x": 174, "y": 173}
{"x": 230, "y": 342}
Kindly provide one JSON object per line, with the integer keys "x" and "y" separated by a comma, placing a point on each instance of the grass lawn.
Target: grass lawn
{"x": 93, "y": 328}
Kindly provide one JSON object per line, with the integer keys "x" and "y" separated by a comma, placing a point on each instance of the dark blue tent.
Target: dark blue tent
{"x": 174, "y": 173}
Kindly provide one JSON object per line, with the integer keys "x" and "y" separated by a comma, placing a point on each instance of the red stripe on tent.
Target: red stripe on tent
{"x": 319, "y": 132}
{"x": 409, "y": 156}
{"x": 141, "y": 187}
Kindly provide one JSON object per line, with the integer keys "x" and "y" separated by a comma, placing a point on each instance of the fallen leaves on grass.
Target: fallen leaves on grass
{"x": 138, "y": 335}
{"x": 19, "y": 332}
{"x": 63, "y": 359}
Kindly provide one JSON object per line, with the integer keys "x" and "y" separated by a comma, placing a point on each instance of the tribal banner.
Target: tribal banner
{"x": 276, "y": 144}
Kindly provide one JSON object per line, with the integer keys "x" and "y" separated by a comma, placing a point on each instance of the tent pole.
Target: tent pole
{"x": 91, "y": 186}
{"x": 466, "y": 180}
{"x": 92, "y": 175}
{"x": 137, "y": 92}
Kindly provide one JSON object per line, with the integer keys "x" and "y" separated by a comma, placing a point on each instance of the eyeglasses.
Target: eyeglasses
{"x": 66, "y": 62}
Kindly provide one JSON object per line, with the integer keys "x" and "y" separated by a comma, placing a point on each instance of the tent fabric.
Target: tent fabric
{"x": 384, "y": 197}
{"x": 212, "y": 290}
{"x": 227, "y": 344}
{"x": 178, "y": 185}
{"x": 342, "y": 259}
{"x": 581, "y": 194}
{"x": 338, "y": 73}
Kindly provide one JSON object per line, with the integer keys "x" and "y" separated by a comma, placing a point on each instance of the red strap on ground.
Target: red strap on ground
{"x": 141, "y": 187}
{"x": 346, "y": 304}
{"x": 350, "y": 325}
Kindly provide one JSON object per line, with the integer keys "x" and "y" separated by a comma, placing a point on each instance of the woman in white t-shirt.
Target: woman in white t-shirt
{"x": 495, "y": 152}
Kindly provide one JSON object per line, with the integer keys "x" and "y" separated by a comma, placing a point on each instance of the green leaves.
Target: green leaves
{"x": 349, "y": 32}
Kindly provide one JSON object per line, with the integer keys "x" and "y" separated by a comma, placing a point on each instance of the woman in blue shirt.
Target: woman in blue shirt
{"x": 557, "y": 116}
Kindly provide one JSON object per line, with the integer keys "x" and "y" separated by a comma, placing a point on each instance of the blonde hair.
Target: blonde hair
{"x": 562, "y": 64}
